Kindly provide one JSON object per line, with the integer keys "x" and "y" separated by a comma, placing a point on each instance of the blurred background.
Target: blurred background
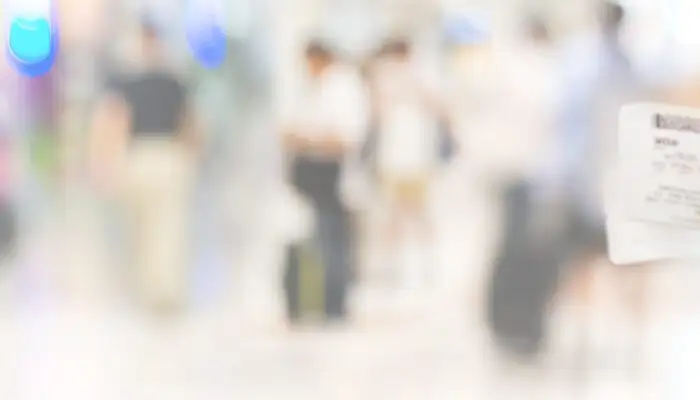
{"x": 363, "y": 199}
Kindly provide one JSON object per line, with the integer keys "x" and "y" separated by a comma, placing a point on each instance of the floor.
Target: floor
{"x": 66, "y": 331}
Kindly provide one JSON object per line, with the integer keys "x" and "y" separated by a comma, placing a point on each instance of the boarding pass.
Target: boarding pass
{"x": 634, "y": 241}
{"x": 659, "y": 164}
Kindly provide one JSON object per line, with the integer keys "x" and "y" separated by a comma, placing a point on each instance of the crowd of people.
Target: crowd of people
{"x": 534, "y": 121}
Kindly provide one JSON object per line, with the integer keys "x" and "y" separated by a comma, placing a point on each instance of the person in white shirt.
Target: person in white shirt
{"x": 407, "y": 116}
{"x": 502, "y": 105}
{"x": 328, "y": 124}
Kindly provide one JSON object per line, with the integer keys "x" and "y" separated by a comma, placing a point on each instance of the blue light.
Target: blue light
{"x": 206, "y": 36}
{"x": 30, "y": 41}
{"x": 32, "y": 45}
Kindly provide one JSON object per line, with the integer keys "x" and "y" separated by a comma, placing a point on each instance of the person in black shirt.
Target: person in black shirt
{"x": 143, "y": 141}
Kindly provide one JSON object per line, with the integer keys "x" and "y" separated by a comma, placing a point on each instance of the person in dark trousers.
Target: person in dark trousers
{"x": 525, "y": 272}
{"x": 327, "y": 124}
{"x": 143, "y": 145}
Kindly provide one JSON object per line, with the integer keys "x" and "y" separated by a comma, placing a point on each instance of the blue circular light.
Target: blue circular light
{"x": 32, "y": 45}
{"x": 206, "y": 38}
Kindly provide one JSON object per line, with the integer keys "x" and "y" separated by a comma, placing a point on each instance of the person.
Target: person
{"x": 536, "y": 73}
{"x": 599, "y": 79}
{"x": 322, "y": 129}
{"x": 144, "y": 139}
{"x": 504, "y": 100}
{"x": 9, "y": 125}
{"x": 468, "y": 70}
{"x": 408, "y": 115}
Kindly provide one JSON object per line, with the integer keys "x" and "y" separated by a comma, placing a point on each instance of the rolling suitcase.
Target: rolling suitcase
{"x": 319, "y": 267}
{"x": 304, "y": 283}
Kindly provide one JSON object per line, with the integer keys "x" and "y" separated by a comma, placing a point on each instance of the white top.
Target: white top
{"x": 536, "y": 89}
{"x": 502, "y": 108}
{"x": 408, "y": 140}
{"x": 334, "y": 104}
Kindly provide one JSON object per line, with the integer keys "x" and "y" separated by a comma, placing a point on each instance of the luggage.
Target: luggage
{"x": 318, "y": 273}
{"x": 317, "y": 270}
{"x": 525, "y": 278}
{"x": 303, "y": 283}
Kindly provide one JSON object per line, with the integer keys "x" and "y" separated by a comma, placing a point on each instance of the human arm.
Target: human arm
{"x": 191, "y": 131}
{"x": 328, "y": 143}
{"x": 108, "y": 135}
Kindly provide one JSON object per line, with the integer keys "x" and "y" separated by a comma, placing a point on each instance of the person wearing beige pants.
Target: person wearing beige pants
{"x": 143, "y": 144}
{"x": 155, "y": 188}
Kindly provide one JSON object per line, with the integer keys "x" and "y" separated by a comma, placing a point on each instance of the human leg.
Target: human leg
{"x": 159, "y": 202}
{"x": 334, "y": 243}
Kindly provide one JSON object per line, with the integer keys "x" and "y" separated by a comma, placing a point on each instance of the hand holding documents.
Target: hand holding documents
{"x": 653, "y": 210}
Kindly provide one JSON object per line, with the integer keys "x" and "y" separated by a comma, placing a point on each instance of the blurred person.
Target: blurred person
{"x": 327, "y": 124}
{"x": 517, "y": 105}
{"x": 471, "y": 76}
{"x": 599, "y": 79}
{"x": 488, "y": 81}
{"x": 9, "y": 151}
{"x": 408, "y": 115}
{"x": 144, "y": 139}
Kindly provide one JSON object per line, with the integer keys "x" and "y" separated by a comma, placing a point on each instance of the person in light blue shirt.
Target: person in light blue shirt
{"x": 598, "y": 80}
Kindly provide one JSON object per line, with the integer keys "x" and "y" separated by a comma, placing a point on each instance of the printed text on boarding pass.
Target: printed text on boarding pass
{"x": 663, "y": 173}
